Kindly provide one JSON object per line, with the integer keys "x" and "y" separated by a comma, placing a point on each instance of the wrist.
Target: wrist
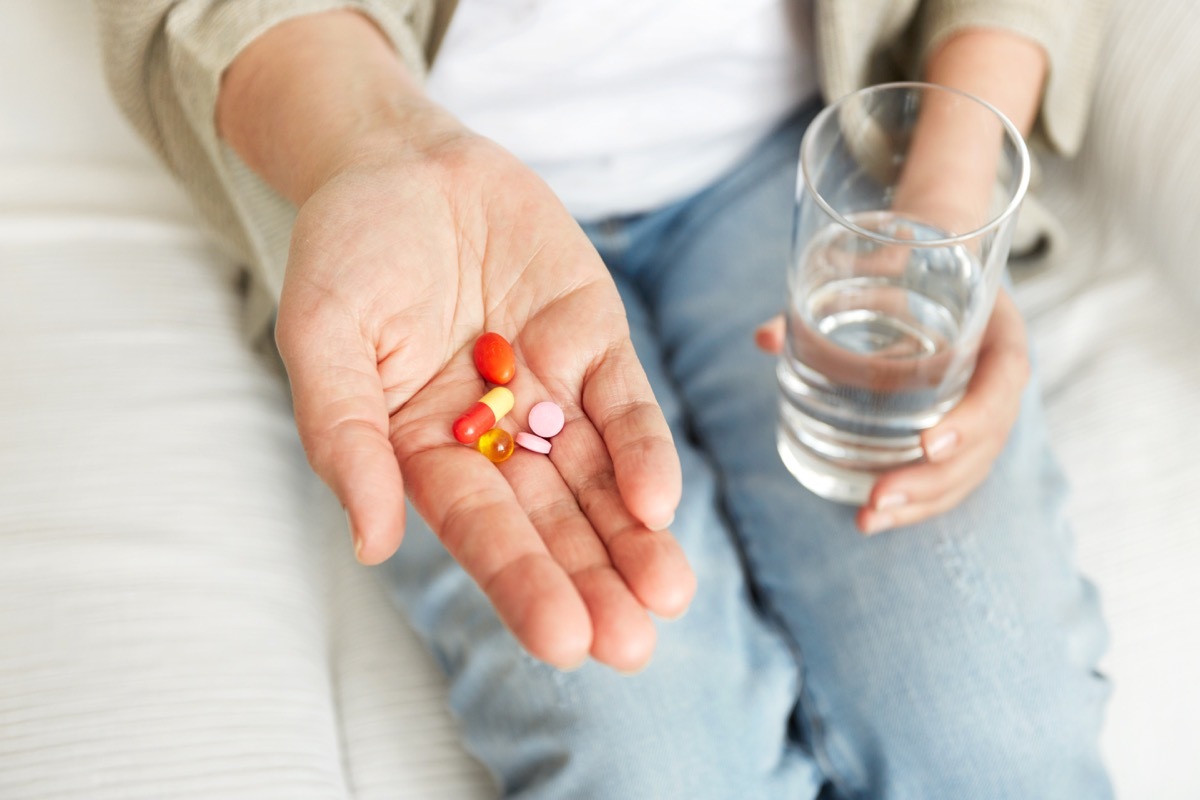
{"x": 1004, "y": 68}
{"x": 323, "y": 93}
{"x": 413, "y": 136}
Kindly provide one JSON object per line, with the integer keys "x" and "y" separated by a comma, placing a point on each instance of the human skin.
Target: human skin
{"x": 950, "y": 170}
{"x": 413, "y": 237}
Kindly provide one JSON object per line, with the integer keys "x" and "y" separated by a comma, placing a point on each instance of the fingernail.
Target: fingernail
{"x": 676, "y": 616}
{"x": 665, "y": 525}
{"x": 354, "y": 537}
{"x": 575, "y": 666}
{"x": 942, "y": 445}
{"x": 891, "y": 500}
{"x": 877, "y": 523}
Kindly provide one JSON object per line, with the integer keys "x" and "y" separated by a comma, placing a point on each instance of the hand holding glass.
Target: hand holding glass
{"x": 906, "y": 203}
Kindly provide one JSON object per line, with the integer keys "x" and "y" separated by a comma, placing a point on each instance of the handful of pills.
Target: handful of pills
{"x": 496, "y": 362}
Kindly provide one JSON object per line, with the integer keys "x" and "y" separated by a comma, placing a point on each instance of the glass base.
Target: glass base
{"x": 836, "y": 465}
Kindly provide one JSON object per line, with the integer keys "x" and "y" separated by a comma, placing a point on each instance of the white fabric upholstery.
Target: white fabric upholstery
{"x": 1117, "y": 327}
{"x": 179, "y": 614}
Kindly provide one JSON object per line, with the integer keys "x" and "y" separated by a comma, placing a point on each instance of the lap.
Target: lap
{"x": 708, "y": 716}
{"x": 957, "y": 618}
{"x": 970, "y": 636}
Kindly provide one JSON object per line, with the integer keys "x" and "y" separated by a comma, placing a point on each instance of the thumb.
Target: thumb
{"x": 343, "y": 423}
{"x": 769, "y": 336}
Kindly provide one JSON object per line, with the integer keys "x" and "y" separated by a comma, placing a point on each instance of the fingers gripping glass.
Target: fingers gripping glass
{"x": 906, "y": 202}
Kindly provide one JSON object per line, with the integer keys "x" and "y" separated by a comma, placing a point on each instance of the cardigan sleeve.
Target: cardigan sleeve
{"x": 1070, "y": 31}
{"x": 164, "y": 60}
{"x": 861, "y": 42}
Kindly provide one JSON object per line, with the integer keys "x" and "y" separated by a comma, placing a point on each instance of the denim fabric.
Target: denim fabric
{"x": 953, "y": 659}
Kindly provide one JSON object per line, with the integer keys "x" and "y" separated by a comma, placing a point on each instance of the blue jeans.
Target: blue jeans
{"x": 951, "y": 659}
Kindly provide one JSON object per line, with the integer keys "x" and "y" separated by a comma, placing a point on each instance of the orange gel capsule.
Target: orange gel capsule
{"x": 494, "y": 358}
{"x": 484, "y": 415}
{"x": 497, "y": 445}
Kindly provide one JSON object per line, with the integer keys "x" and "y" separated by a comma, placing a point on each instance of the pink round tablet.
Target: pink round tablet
{"x": 546, "y": 419}
{"x": 530, "y": 442}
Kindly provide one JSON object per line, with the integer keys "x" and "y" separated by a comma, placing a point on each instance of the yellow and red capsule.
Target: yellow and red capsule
{"x": 484, "y": 415}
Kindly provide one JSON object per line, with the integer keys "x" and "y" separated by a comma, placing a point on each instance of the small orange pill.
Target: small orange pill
{"x": 494, "y": 358}
{"x": 497, "y": 445}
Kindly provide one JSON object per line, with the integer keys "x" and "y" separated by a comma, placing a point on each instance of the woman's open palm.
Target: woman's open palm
{"x": 395, "y": 269}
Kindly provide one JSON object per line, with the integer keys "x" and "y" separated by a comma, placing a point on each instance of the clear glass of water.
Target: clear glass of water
{"x": 905, "y": 207}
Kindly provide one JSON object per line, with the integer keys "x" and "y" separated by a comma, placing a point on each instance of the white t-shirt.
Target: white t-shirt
{"x": 625, "y": 106}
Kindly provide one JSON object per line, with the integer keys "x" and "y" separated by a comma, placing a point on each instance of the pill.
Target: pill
{"x": 490, "y": 409}
{"x": 530, "y": 442}
{"x": 494, "y": 358}
{"x": 546, "y": 419}
{"x": 496, "y": 444}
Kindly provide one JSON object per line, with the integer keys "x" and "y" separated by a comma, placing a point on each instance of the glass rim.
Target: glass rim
{"x": 1009, "y": 210}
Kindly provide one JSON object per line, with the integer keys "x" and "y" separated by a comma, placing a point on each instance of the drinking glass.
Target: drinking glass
{"x": 906, "y": 201}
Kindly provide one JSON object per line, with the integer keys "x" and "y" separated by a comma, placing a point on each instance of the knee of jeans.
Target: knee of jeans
{"x": 1035, "y": 734}
{"x": 597, "y": 734}
{"x": 986, "y": 717}
{"x": 706, "y": 719}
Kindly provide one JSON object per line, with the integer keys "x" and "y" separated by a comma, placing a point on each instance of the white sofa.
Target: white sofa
{"x": 179, "y": 613}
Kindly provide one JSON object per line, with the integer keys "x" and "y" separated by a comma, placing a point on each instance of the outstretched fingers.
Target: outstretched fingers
{"x": 625, "y": 474}
{"x": 623, "y": 634}
{"x": 620, "y": 403}
{"x": 343, "y": 425}
{"x": 485, "y": 528}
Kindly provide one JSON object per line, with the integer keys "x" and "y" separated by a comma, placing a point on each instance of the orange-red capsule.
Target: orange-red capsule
{"x": 494, "y": 358}
{"x": 483, "y": 415}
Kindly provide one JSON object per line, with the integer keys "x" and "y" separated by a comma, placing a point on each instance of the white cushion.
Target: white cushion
{"x": 1117, "y": 329}
{"x": 179, "y": 612}
{"x": 179, "y": 615}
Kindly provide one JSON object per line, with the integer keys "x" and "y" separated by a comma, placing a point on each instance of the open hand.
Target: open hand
{"x": 397, "y": 265}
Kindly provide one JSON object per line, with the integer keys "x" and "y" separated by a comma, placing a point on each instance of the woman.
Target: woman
{"x": 628, "y": 246}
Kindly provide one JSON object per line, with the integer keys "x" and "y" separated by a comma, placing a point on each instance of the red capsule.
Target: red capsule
{"x": 471, "y": 425}
{"x": 494, "y": 358}
{"x": 483, "y": 415}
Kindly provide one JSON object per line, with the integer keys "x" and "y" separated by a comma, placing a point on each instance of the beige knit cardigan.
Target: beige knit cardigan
{"x": 164, "y": 60}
